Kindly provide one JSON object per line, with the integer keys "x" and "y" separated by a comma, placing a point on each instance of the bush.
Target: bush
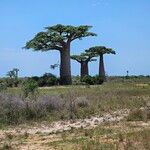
{"x": 140, "y": 115}
{"x": 47, "y": 79}
{"x": 92, "y": 80}
{"x": 82, "y": 102}
{"x": 76, "y": 80}
{"x": 15, "y": 110}
{"x": 88, "y": 80}
{"x": 3, "y": 86}
{"x": 29, "y": 87}
{"x": 98, "y": 80}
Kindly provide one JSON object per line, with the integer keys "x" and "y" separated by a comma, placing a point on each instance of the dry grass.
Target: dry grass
{"x": 78, "y": 102}
{"x": 121, "y": 136}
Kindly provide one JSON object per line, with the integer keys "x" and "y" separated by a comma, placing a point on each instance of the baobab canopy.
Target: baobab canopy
{"x": 83, "y": 57}
{"x": 101, "y": 50}
{"x": 57, "y": 36}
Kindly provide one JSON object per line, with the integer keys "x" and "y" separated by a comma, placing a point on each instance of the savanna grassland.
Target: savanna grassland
{"x": 114, "y": 115}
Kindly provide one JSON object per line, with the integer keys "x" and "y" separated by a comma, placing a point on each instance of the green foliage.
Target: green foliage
{"x": 100, "y": 50}
{"x": 55, "y": 37}
{"x": 29, "y": 87}
{"x": 88, "y": 80}
{"x": 12, "y": 80}
{"x": 3, "y": 86}
{"x": 13, "y": 73}
{"x": 76, "y": 80}
{"x": 140, "y": 115}
{"x": 92, "y": 80}
{"x": 83, "y": 57}
{"x": 46, "y": 80}
{"x": 98, "y": 80}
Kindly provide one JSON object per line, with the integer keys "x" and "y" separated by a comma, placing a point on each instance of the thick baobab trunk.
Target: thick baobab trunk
{"x": 84, "y": 69}
{"x": 65, "y": 67}
{"x": 101, "y": 68}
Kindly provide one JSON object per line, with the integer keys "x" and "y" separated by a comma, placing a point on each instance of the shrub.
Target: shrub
{"x": 76, "y": 80}
{"x": 16, "y": 110}
{"x": 52, "y": 81}
{"x": 88, "y": 80}
{"x": 3, "y": 86}
{"x": 47, "y": 79}
{"x": 29, "y": 87}
{"x": 98, "y": 80}
{"x": 92, "y": 80}
{"x": 140, "y": 115}
{"x": 82, "y": 102}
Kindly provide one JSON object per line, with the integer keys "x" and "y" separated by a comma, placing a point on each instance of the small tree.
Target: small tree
{"x": 59, "y": 37}
{"x": 15, "y": 70}
{"x": 84, "y": 59}
{"x": 100, "y": 51}
{"x": 30, "y": 87}
{"x": 13, "y": 77}
{"x": 11, "y": 74}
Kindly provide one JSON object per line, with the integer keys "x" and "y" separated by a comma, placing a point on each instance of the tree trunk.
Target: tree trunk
{"x": 101, "y": 68}
{"x": 84, "y": 69}
{"x": 65, "y": 67}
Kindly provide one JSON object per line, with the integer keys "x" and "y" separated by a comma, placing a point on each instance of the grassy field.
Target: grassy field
{"x": 80, "y": 102}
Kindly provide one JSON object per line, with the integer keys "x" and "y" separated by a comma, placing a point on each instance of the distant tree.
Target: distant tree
{"x": 84, "y": 59}
{"x": 100, "y": 51}
{"x": 127, "y": 73}
{"x": 16, "y": 70}
{"x": 59, "y": 37}
{"x": 10, "y": 74}
{"x": 13, "y": 73}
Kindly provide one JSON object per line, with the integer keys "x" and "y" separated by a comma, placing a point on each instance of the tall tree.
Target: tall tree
{"x": 84, "y": 59}
{"x": 59, "y": 37}
{"x": 100, "y": 51}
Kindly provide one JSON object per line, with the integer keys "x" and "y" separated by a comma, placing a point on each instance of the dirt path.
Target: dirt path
{"x": 61, "y": 126}
{"x": 46, "y": 136}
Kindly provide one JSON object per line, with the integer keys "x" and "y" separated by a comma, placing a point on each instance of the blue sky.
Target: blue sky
{"x": 123, "y": 25}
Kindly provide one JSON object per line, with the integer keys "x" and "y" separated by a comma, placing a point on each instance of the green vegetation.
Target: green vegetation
{"x": 78, "y": 101}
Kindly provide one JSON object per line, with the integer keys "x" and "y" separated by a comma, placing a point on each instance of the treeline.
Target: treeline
{"x": 48, "y": 80}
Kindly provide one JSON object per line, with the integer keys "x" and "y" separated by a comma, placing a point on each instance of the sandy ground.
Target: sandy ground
{"x": 38, "y": 136}
{"x": 60, "y": 126}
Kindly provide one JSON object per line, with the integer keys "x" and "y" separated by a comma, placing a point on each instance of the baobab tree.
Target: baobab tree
{"x": 59, "y": 37}
{"x": 100, "y": 51}
{"x": 84, "y": 59}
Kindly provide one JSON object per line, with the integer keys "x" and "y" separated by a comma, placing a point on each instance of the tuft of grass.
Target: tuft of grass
{"x": 6, "y": 146}
{"x": 139, "y": 115}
